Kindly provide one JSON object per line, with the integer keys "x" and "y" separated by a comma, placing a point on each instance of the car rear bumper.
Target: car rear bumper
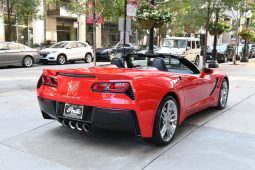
{"x": 103, "y": 56}
{"x": 98, "y": 117}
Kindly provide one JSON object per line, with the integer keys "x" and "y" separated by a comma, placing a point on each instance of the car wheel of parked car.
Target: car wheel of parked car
{"x": 223, "y": 95}
{"x": 88, "y": 58}
{"x": 27, "y": 61}
{"x": 111, "y": 56}
{"x": 61, "y": 59}
{"x": 225, "y": 59}
{"x": 166, "y": 121}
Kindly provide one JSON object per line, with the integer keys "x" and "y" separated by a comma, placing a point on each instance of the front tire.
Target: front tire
{"x": 223, "y": 95}
{"x": 27, "y": 61}
{"x": 61, "y": 60}
{"x": 111, "y": 56}
{"x": 166, "y": 121}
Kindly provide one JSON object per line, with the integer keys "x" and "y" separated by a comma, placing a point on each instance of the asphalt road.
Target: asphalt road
{"x": 209, "y": 140}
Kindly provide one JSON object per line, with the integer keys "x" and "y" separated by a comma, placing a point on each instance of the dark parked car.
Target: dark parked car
{"x": 12, "y": 53}
{"x": 225, "y": 52}
{"x": 111, "y": 52}
{"x": 251, "y": 50}
{"x": 145, "y": 50}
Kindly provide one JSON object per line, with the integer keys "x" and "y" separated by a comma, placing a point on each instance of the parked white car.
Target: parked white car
{"x": 64, "y": 51}
{"x": 183, "y": 46}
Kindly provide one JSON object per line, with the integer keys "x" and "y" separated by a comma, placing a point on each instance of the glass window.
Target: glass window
{"x": 198, "y": 44}
{"x": 72, "y": 45}
{"x": 189, "y": 44}
{"x": 81, "y": 45}
{"x": 174, "y": 43}
{"x": 60, "y": 45}
{"x": 13, "y": 46}
{"x": 193, "y": 45}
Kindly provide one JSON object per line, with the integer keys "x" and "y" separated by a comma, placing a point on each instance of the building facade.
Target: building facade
{"x": 58, "y": 24}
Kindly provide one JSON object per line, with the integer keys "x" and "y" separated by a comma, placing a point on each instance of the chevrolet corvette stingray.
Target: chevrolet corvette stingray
{"x": 149, "y": 98}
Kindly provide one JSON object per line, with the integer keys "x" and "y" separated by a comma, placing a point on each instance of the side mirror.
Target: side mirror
{"x": 206, "y": 71}
{"x": 188, "y": 48}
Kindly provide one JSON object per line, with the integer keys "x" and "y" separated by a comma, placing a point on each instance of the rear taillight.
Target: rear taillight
{"x": 111, "y": 87}
{"x": 48, "y": 81}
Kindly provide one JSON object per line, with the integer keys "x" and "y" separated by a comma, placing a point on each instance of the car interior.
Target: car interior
{"x": 168, "y": 63}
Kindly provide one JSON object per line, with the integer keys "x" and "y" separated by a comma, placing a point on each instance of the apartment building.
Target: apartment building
{"x": 58, "y": 24}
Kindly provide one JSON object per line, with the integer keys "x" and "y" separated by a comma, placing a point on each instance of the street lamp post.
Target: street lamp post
{"x": 245, "y": 52}
{"x": 214, "y": 62}
{"x": 150, "y": 51}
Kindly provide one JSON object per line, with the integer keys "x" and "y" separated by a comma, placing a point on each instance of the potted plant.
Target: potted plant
{"x": 247, "y": 34}
{"x": 218, "y": 28}
{"x": 149, "y": 16}
{"x": 144, "y": 17}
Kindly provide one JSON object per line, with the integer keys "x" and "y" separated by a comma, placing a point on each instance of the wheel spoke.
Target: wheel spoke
{"x": 163, "y": 130}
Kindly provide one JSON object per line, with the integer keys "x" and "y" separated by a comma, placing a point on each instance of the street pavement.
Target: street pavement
{"x": 209, "y": 140}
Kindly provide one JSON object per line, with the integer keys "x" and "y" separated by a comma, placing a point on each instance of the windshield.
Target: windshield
{"x": 174, "y": 43}
{"x": 60, "y": 45}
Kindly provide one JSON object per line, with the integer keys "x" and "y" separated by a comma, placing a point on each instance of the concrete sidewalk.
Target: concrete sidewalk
{"x": 209, "y": 140}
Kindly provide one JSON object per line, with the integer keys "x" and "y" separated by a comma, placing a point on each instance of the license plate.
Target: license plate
{"x": 73, "y": 111}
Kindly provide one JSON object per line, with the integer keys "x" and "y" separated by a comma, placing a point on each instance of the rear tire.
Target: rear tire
{"x": 27, "y": 61}
{"x": 88, "y": 58}
{"x": 166, "y": 122}
{"x": 61, "y": 60}
{"x": 223, "y": 95}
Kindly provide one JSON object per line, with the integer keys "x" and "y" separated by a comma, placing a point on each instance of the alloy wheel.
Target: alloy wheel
{"x": 88, "y": 58}
{"x": 61, "y": 59}
{"x": 112, "y": 55}
{"x": 28, "y": 62}
{"x": 168, "y": 120}
{"x": 224, "y": 94}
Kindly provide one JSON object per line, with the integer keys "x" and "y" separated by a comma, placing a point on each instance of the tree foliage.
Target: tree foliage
{"x": 21, "y": 10}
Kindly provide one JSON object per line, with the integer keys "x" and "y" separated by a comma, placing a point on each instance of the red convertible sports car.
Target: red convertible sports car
{"x": 150, "y": 99}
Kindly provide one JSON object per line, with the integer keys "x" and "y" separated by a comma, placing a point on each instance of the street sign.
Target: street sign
{"x": 131, "y": 9}
{"x": 121, "y": 24}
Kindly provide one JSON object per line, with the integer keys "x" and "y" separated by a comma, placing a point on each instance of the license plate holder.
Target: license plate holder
{"x": 73, "y": 111}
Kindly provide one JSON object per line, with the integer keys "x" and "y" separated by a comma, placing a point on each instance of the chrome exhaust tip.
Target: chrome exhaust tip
{"x": 86, "y": 127}
{"x": 71, "y": 124}
{"x": 65, "y": 123}
{"x": 79, "y": 126}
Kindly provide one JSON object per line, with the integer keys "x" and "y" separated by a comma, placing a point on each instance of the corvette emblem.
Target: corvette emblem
{"x": 72, "y": 88}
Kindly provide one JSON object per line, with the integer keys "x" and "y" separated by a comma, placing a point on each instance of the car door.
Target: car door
{"x": 71, "y": 51}
{"x": 196, "y": 90}
{"x": 83, "y": 49}
{"x": 14, "y": 54}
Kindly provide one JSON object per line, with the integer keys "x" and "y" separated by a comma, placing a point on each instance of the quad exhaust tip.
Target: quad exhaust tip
{"x": 71, "y": 124}
{"x": 76, "y": 125}
{"x": 86, "y": 127}
{"x": 79, "y": 126}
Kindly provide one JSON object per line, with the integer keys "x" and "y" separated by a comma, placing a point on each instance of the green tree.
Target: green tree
{"x": 21, "y": 10}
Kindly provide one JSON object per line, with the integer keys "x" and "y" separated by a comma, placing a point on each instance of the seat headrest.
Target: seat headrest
{"x": 160, "y": 64}
{"x": 118, "y": 62}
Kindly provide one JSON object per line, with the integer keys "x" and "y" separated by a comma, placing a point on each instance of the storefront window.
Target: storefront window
{"x": 65, "y": 30}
